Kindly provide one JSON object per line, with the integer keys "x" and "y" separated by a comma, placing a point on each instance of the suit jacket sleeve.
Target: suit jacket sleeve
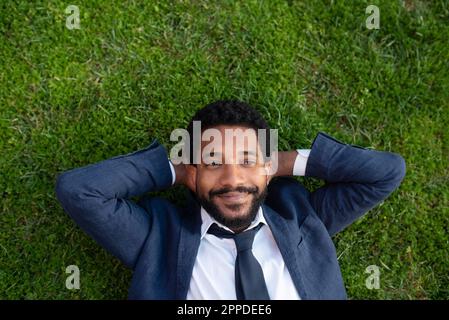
{"x": 97, "y": 198}
{"x": 356, "y": 178}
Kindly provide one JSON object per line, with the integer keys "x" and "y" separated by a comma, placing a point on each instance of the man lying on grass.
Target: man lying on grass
{"x": 247, "y": 230}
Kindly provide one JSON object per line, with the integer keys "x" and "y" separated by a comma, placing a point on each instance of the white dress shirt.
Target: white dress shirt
{"x": 213, "y": 276}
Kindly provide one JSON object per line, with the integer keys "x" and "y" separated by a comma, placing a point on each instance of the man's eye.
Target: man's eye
{"x": 214, "y": 164}
{"x": 249, "y": 162}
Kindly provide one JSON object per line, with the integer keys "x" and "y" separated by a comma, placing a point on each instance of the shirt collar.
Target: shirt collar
{"x": 207, "y": 221}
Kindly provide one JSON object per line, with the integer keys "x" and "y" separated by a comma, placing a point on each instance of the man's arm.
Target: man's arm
{"x": 292, "y": 162}
{"x": 286, "y": 161}
{"x": 356, "y": 178}
{"x": 96, "y": 197}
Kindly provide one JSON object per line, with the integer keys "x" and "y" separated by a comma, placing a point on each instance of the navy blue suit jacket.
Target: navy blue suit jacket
{"x": 160, "y": 240}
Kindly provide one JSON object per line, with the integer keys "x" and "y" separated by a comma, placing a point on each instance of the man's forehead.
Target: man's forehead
{"x": 230, "y": 136}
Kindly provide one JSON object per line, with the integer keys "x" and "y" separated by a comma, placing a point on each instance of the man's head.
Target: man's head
{"x": 231, "y": 178}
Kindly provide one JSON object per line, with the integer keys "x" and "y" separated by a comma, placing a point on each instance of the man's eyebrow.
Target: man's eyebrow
{"x": 212, "y": 154}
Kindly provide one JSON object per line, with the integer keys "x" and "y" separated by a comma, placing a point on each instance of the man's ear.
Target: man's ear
{"x": 190, "y": 179}
{"x": 267, "y": 167}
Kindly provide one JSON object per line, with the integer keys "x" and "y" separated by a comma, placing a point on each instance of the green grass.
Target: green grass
{"x": 134, "y": 72}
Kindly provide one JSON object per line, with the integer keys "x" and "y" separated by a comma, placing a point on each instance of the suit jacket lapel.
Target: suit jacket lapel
{"x": 189, "y": 242}
{"x": 288, "y": 238}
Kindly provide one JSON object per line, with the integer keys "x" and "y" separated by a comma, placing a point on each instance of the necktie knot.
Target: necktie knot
{"x": 244, "y": 241}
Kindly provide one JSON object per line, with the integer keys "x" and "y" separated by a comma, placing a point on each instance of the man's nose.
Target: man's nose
{"x": 232, "y": 175}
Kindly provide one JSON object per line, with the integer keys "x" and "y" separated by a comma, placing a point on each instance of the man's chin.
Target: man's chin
{"x": 234, "y": 210}
{"x": 234, "y": 215}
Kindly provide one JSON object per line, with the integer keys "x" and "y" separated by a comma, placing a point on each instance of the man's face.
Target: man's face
{"x": 232, "y": 178}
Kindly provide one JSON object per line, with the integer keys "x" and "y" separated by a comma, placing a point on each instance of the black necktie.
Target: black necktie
{"x": 249, "y": 280}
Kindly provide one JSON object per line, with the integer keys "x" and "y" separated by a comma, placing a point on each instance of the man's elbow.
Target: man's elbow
{"x": 65, "y": 187}
{"x": 396, "y": 169}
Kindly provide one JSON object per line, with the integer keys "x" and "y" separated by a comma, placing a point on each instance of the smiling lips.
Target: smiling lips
{"x": 233, "y": 196}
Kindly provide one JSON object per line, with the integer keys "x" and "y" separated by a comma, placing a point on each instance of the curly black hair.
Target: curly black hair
{"x": 229, "y": 112}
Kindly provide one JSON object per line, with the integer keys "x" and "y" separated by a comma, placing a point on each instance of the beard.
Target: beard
{"x": 245, "y": 218}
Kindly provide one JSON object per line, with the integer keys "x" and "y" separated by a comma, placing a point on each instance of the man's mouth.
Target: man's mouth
{"x": 233, "y": 196}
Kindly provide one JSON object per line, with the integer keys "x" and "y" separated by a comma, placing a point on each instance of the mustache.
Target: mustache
{"x": 250, "y": 190}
